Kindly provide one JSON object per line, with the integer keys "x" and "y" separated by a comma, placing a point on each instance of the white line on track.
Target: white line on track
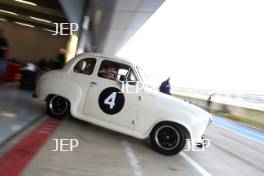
{"x": 199, "y": 168}
{"x": 133, "y": 161}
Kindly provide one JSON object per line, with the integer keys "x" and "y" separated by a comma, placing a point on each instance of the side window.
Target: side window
{"x": 122, "y": 74}
{"x": 85, "y": 66}
{"x": 116, "y": 71}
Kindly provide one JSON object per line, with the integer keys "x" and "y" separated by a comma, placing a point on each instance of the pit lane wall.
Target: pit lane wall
{"x": 249, "y": 116}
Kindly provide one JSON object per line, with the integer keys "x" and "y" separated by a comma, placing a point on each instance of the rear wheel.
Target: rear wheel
{"x": 168, "y": 138}
{"x": 58, "y": 106}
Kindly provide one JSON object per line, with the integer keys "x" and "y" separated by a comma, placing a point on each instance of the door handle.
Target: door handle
{"x": 93, "y": 83}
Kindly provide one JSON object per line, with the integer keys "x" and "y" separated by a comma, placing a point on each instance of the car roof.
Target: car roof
{"x": 105, "y": 56}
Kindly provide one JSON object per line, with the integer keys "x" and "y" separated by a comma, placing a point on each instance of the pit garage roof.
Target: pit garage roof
{"x": 111, "y": 22}
{"x": 22, "y": 13}
{"x": 118, "y": 21}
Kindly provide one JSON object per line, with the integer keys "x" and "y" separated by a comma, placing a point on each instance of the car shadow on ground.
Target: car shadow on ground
{"x": 104, "y": 132}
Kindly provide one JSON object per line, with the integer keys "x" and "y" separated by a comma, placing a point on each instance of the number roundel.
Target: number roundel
{"x": 111, "y": 100}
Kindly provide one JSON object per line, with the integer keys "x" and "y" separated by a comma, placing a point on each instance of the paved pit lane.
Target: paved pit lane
{"x": 17, "y": 110}
{"x": 104, "y": 152}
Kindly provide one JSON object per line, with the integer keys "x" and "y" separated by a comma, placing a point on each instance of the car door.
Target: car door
{"x": 82, "y": 74}
{"x": 107, "y": 102}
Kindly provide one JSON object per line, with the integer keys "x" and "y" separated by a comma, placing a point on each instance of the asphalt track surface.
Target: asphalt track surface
{"x": 104, "y": 152}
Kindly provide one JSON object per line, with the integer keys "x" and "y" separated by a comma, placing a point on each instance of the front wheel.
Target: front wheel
{"x": 168, "y": 138}
{"x": 58, "y": 106}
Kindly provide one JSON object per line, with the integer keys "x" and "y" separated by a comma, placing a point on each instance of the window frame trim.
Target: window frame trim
{"x": 118, "y": 62}
{"x": 79, "y": 60}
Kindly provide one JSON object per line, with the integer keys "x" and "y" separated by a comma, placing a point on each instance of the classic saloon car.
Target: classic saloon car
{"x": 113, "y": 93}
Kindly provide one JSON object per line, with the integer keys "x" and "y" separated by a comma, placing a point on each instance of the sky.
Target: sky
{"x": 205, "y": 44}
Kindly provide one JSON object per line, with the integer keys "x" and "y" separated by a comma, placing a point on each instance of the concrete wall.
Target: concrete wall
{"x": 31, "y": 44}
{"x": 246, "y": 113}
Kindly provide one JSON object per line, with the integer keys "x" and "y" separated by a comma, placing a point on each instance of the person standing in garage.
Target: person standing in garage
{"x": 3, "y": 51}
{"x": 60, "y": 60}
{"x": 165, "y": 87}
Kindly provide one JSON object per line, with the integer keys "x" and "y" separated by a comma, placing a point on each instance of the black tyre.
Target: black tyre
{"x": 168, "y": 138}
{"x": 58, "y": 106}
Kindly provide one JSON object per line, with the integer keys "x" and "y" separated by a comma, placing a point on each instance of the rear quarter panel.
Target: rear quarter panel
{"x": 59, "y": 83}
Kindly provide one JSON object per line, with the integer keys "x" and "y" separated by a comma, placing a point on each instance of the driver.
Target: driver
{"x": 108, "y": 72}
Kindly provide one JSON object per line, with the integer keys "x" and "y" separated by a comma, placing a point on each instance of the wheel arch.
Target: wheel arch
{"x": 187, "y": 129}
{"x": 73, "y": 96}
{"x": 49, "y": 96}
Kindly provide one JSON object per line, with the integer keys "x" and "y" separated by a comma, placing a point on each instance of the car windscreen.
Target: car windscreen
{"x": 143, "y": 77}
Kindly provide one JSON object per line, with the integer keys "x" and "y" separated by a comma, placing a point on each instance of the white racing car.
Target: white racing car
{"x": 113, "y": 93}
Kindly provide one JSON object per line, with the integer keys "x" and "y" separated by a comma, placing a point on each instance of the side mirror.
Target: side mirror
{"x": 122, "y": 78}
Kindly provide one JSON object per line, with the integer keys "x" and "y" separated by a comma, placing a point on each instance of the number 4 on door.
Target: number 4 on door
{"x": 110, "y": 100}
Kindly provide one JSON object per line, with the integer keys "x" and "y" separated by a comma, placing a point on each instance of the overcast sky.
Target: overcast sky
{"x": 205, "y": 44}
